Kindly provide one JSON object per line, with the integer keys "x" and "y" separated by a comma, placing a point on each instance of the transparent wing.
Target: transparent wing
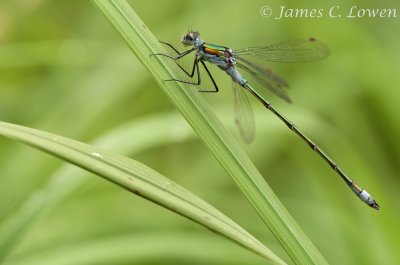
{"x": 264, "y": 77}
{"x": 301, "y": 50}
{"x": 244, "y": 117}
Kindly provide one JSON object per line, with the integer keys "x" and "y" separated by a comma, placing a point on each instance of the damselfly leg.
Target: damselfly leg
{"x": 195, "y": 68}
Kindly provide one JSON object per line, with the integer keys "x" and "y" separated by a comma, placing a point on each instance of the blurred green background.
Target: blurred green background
{"x": 64, "y": 70}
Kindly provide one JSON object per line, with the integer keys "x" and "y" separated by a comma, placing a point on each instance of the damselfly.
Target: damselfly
{"x": 228, "y": 60}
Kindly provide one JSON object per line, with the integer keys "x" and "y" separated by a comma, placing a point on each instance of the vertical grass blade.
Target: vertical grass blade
{"x": 142, "y": 42}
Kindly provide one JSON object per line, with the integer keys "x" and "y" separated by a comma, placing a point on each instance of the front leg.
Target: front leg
{"x": 180, "y": 55}
{"x": 171, "y": 46}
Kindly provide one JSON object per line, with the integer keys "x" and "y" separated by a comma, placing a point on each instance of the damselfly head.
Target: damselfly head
{"x": 190, "y": 38}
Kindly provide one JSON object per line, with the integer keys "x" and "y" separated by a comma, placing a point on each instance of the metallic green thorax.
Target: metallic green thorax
{"x": 214, "y": 47}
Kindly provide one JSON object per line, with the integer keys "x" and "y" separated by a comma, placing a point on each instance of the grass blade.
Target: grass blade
{"x": 221, "y": 143}
{"x": 137, "y": 178}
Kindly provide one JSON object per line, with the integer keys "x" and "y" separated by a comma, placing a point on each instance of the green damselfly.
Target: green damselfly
{"x": 228, "y": 60}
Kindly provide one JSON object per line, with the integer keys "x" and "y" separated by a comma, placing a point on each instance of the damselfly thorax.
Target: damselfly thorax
{"x": 223, "y": 57}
